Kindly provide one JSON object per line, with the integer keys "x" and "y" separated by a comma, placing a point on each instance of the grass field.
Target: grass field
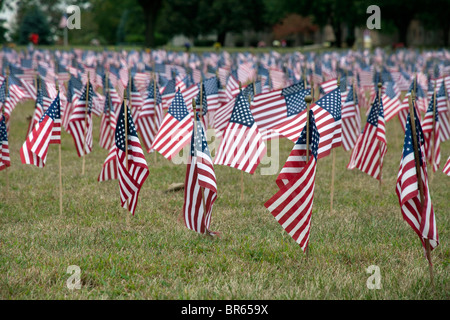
{"x": 154, "y": 256}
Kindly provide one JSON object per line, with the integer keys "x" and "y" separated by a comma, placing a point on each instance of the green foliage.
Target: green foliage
{"x": 34, "y": 21}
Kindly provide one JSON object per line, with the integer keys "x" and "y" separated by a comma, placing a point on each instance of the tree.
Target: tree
{"x": 435, "y": 17}
{"x": 294, "y": 24}
{"x": 34, "y": 21}
{"x": 180, "y": 17}
{"x": 151, "y": 9}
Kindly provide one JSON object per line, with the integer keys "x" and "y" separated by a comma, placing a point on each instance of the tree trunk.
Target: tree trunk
{"x": 338, "y": 34}
{"x": 446, "y": 34}
{"x": 151, "y": 9}
{"x": 221, "y": 38}
{"x": 149, "y": 29}
{"x": 402, "y": 26}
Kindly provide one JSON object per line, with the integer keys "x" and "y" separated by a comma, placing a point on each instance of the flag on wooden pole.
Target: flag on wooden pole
{"x": 200, "y": 190}
{"x": 242, "y": 146}
{"x": 47, "y": 131}
{"x": 175, "y": 130}
{"x": 412, "y": 186}
{"x": 432, "y": 134}
{"x": 5, "y": 160}
{"x": 371, "y": 146}
{"x": 292, "y": 204}
{"x": 131, "y": 164}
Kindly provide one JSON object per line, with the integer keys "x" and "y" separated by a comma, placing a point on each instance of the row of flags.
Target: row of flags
{"x": 147, "y": 101}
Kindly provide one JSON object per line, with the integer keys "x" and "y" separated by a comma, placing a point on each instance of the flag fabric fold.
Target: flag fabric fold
{"x": 419, "y": 215}
{"x": 292, "y": 204}
{"x": 200, "y": 190}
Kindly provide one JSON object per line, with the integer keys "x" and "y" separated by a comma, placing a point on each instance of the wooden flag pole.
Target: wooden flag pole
{"x": 419, "y": 176}
{"x": 125, "y": 111}
{"x": 308, "y": 100}
{"x": 60, "y": 165}
{"x": 333, "y": 167}
{"x": 195, "y": 126}
{"x": 154, "y": 105}
{"x": 433, "y": 136}
{"x": 3, "y": 114}
{"x": 379, "y": 142}
{"x": 85, "y": 123}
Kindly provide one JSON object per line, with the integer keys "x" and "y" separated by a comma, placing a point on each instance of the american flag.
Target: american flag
{"x": 431, "y": 132}
{"x": 107, "y": 124}
{"x": 446, "y": 169}
{"x": 131, "y": 165}
{"x": 200, "y": 190}
{"x": 80, "y": 122}
{"x": 175, "y": 130}
{"x": 329, "y": 85}
{"x": 442, "y": 102}
{"x": 151, "y": 116}
{"x": 351, "y": 120}
{"x": 47, "y": 131}
{"x": 242, "y": 146}
{"x": 5, "y": 160}
{"x": 74, "y": 91}
{"x": 212, "y": 93}
{"x": 136, "y": 102}
{"x": 371, "y": 146}
{"x": 232, "y": 88}
{"x": 292, "y": 204}
{"x": 11, "y": 94}
{"x": 275, "y": 107}
{"x": 168, "y": 93}
{"x": 419, "y": 215}
{"x": 391, "y": 100}
{"x": 277, "y": 78}
{"x": 222, "y": 117}
{"x": 327, "y": 111}
{"x": 38, "y": 111}
{"x": 109, "y": 168}
{"x": 421, "y": 103}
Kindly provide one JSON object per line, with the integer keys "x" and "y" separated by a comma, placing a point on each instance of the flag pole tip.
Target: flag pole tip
{"x": 308, "y": 99}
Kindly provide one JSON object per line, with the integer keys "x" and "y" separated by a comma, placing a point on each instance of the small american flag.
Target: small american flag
{"x": 151, "y": 116}
{"x": 107, "y": 124}
{"x": 132, "y": 170}
{"x": 80, "y": 122}
{"x": 175, "y": 130}
{"x": 432, "y": 139}
{"x": 200, "y": 190}
{"x": 292, "y": 204}
{"x": 38, "y": 111}
{"x": 419, "y": 215}
{"x": 391, "y": 100}
{"x": 47, "y": 131}
{"x": 136, "y": 102}
{"x": 5, "y": 160}
{"x": 327, "y": 111}
{"x": 212, "y": 93}
{"x": 328, "y": 86}
{"x": 275, "y": 107}
{"x": 351, "y": 120}
{"x": 370, "y": 148}
{"x": 447, "y": 167}
{"x": 242, "y": 146}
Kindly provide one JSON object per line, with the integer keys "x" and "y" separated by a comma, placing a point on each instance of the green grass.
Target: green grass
{"x": 154, "y": 256}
